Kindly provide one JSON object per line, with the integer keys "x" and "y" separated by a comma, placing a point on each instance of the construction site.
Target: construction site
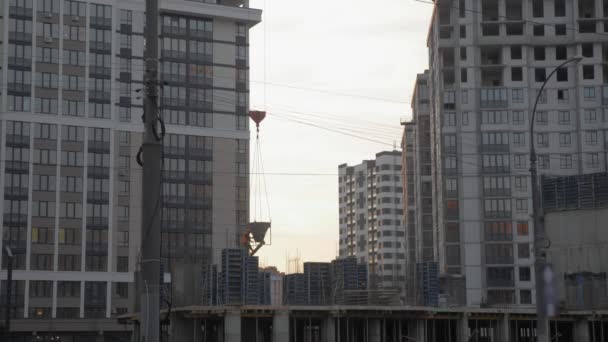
{"x": 374, "y": 324}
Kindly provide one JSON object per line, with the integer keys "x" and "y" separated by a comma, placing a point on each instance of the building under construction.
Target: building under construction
{"x": 237, "y": 281}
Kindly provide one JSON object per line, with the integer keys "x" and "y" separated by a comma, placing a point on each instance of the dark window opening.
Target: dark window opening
{"x": 539, "y": 53}
{"x": 516, "y": 74}
{"x": 560, "y": 30}
{"x": 560, "y": 8}
{"x": 561, "y": 53}
{"x": 539, "y": 74}
{"x": 516, "y": 52}
{"x": 587, "y": 50}
{"x": 562, "y": 75}
{"x": 539, "y": 30}
{"x": 588, "y": 72}
{"x": 538, "y": 8}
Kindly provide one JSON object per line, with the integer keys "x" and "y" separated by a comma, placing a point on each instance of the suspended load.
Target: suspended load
{"x": 254, "y": 237}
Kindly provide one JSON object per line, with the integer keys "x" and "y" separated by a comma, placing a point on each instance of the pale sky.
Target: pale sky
{"x": 370, "y": 49}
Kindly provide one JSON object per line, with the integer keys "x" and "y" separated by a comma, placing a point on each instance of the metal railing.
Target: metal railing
{"x": 575, "y": 192}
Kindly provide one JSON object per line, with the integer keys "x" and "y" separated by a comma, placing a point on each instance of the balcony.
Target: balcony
{"x": 13, "y": 140}
{"x": 493, "y": 98}
{"x": 98, "y": 197}
{"x": 96, "y": 222}
{"x": 19, "y": 88}
{"x": 200, "y": 153}
{"x": 501, "y": 283}
{"x": 98, "y": 172}
{"x": 178, "y": 176}
{"x": 15, "y": 166}
{"x": 97, "y": 248}
{"x": 495, "y": 148}
{"x": 15, "y": 193}
{"x": 99, "y": 146}
{"x": 20, "y": 37}
{"x": 20, "y": 12}
{"x": 15, "y": 220}
{"x": 101, "y": 22}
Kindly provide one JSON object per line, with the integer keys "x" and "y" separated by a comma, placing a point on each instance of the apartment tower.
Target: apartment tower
{"x": 488, "y": 60}
{"x": 371, "y": 218}
{"x": 71, "y": 111}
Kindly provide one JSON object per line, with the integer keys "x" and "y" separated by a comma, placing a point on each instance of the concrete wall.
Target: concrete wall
{"x": 579, "y": 243}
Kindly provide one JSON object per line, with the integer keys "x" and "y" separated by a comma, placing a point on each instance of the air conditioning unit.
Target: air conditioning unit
{"x": 48, "y": 39}
{"x": 76, "y": 19}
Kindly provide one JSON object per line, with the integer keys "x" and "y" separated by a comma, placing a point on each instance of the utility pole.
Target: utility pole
{"x": 9, "y": 286}
{"x": 540, "y": 257}
{"x": 151, "y": 156}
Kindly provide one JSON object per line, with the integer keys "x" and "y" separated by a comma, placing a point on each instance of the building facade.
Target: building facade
{"x": 418, "y": 187}
{"x": 371, "y": 218}
{"x": 71, "y": 114}
{"x": 488, "y": 60}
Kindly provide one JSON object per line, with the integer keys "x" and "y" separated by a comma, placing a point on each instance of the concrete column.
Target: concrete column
{"x": 416, "y": 330}
{"x": 328, "y": 329}
{"x": 581, "y": 331}
{"x": 280, "y": 326}
{"x": 504, "y": 328}
{"x": 463, "y": 328}
{"x": 374, "y": 334}
{"x": 182, "y": 329}
{"x": 232, "y": 326}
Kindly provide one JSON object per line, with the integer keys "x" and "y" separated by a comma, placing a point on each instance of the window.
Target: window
{"x": 524, "y": 274}
{"x": 539, "y": 53}
{"x": 465, "y": 118}
{"x": 587, "y": 50}
{"x": 463, "y": 53}
{"x": 591, "y": 137}
{"x": 522, "y": 228}
{"x": 525, "y": 296}
{"x": 542, "y": 139}
{"x": 521, "y": 205}
{"x": 71, "y": 184}
{"x": 43, "y": 183}
{"x": 494, "y": 117}
{"x": 495, "y": 162}
{"x": 562, "y": 95}
{"x": 519, "y": 161}
{"x": 539, "y": 74}
{"x": 516, "y": 74}
{"x": 589, "y": 93}
{"x": 542, "y": 98}
{"x": 464, "y": 96}
{"x": 75, "y": 33}
{"x": 517, "y": 95}
{"x": 519, "y": 139}
{"x": 593, "y": 160}
{"x": 523, "y": 250}
{"x": 588, "y": 72}
{"x": 565, "y": 139}
{"x": 561, "y": 52}
{"x": 499, "y": 253}
{"x": 543, "y": 161}
{"x": 542, "y": 118}
{"x": 496, "y": 185}
{"x": 45, "y": 105}
{"x": 463, "y": 31}
{"x": 538, "y": 8}
{"x": 516, "y": 52}
{"x": 562, "y": 75}
{"x": 463, "y": 75}
{"x": 498, "y": 231}
{"x": 518, "y": 118}
{"x": 42, "y": 235}
{"x": 539, "y": 30}
{"x": 122, "y": 264}
{"x": 122, "y": 213}
{"x": 70, "y": 210}
{"x": 565, "y": 161}
{"x": 45, "y": 157}
{"x": 560, "y": 29}
{"x": 590, "y": 116}
{"x": 521, "y": 183}
{"x": 560, "y": 8}
{"x": 497, "y": 208}
{"x": 564, "y": 117}
{"x": 449, "y": 119}
{"x": 47, "y": 80}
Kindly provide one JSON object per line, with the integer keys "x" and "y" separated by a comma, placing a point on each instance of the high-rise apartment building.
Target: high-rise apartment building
{"x": 418, "y": 186}
{"x": 488, "y": 60}
{"x": 71, "y": 128}
{"x": 371, "y": 218}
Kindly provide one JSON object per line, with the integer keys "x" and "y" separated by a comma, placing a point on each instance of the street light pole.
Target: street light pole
{"x": 542, "y": 333}
{"x": 9, "y": 287}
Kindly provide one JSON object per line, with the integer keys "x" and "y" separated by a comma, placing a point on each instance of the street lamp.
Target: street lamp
{"x": 538, "y": 219}
{"x": 9, "y": 285}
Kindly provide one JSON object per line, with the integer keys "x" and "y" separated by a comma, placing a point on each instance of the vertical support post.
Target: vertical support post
{"x": 232, "y": 326}
{"x": 463, "y": 328}
{"x": 151, "y": 156}
{"x": 375, "y": 330}
{"x": 581, "y": 331}
{"x": 328, "y": 329}
{"x": 9, "y": 289}
{"x": 505, "y": 329}
{"x": 280, "y": 326}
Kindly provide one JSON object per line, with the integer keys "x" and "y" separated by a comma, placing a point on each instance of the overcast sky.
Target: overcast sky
{"x": 369, "y": 49}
